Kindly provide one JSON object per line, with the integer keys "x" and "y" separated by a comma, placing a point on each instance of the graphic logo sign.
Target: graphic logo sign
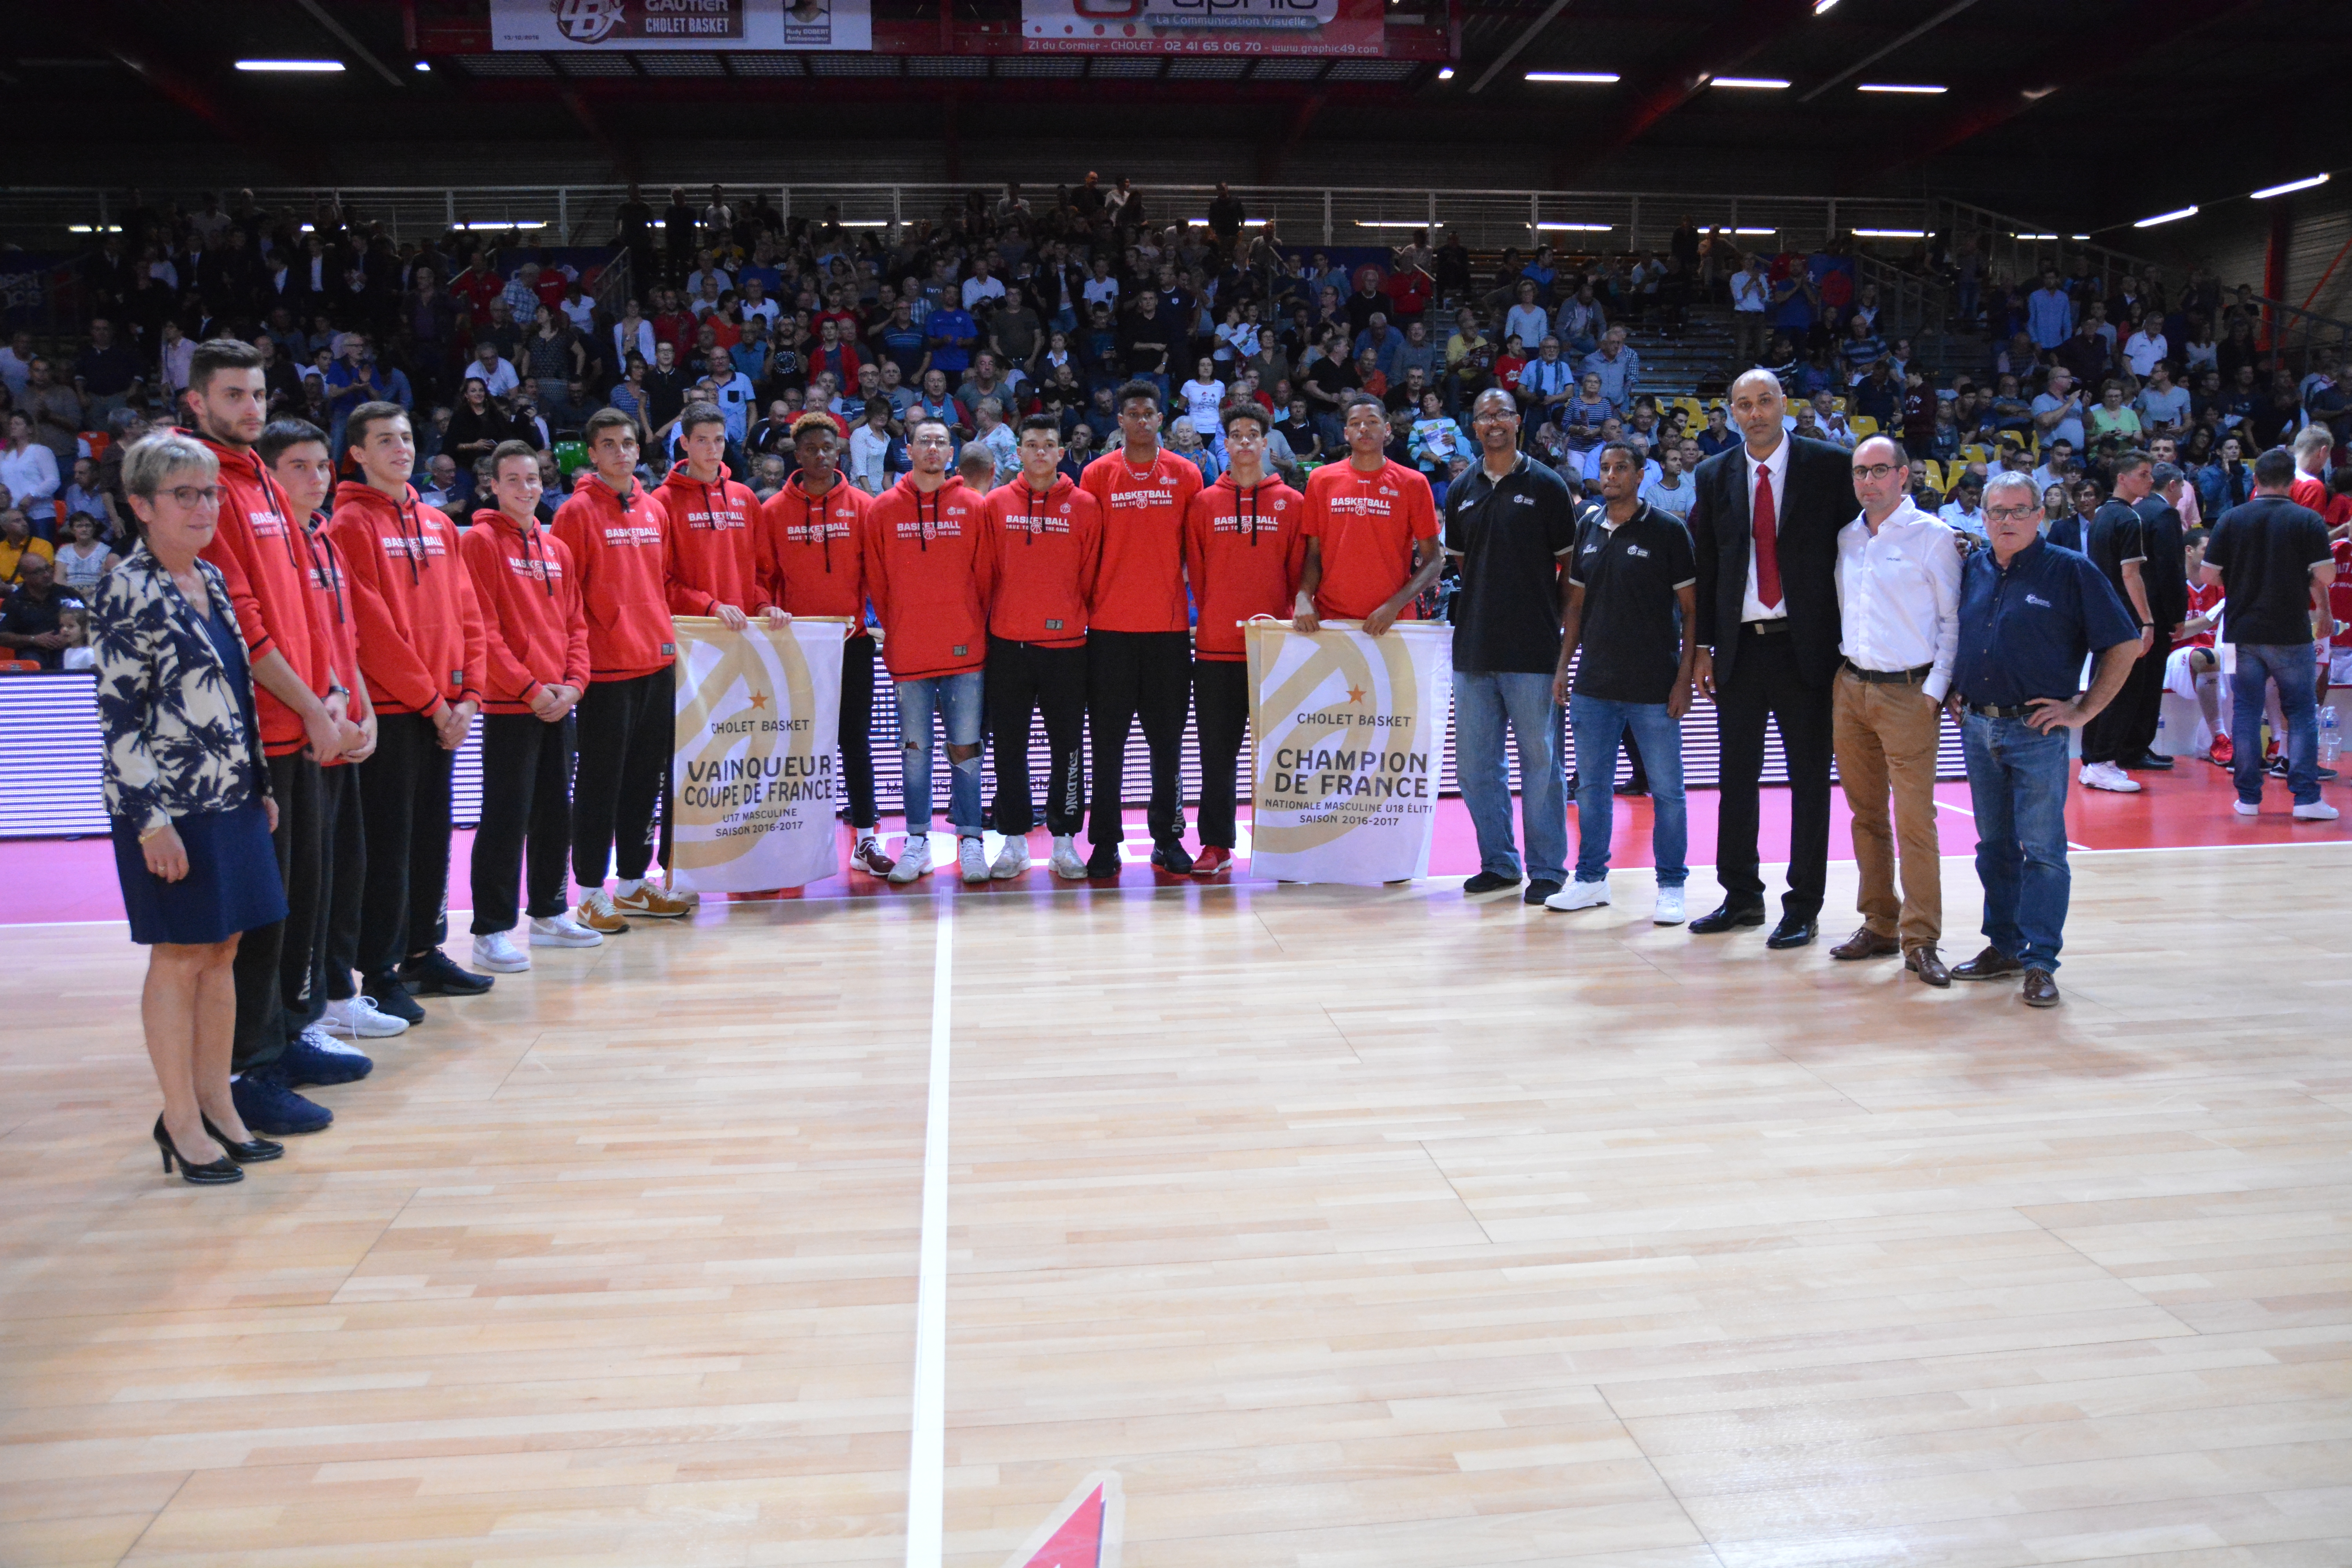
{"x": 1204, "y": 27}
{"x": 563, "y": 25}
{"x": 1348, "y": 732}
{"x": 755, "y": 772}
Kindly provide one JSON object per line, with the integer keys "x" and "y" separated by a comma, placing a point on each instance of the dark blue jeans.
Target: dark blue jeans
{"x": 2017, "y": 787}
{"x": 1598, "y": 726}
{"x": 2295, "y": 666}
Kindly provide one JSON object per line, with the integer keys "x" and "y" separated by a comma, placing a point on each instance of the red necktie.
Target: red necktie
{"x": 1768, "y": 549}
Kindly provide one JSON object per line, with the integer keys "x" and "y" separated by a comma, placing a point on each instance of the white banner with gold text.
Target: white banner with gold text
{"x": 755, "y": 770}
{"x": 1349, "y": 732}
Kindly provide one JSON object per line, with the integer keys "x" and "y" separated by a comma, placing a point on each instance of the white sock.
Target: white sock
{"x": 628, "y": 886}
{"x": 1064, "y": 842}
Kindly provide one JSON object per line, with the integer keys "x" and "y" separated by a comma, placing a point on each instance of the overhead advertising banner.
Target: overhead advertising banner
{"x": 1203, "y": 27}
{"x": 755, "y": 772}
{"x": 628, "y": 25}
{"x": 1347, "y": 733}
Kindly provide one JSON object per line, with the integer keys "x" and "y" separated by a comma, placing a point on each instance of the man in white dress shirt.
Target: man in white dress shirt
{"x": 1898, "y": 579}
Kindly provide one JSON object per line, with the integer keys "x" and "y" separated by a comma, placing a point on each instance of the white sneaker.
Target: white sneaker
{"x": 1578, "y": 896}
{"x": 2247, "y": 808}
{"x": 1669, "y": 911}
{"x": 914, "y": 861}
{"x": 317, "y": 1040}
{"x": 357, "y": 1016}
{"x": 563, "y": 931}
{"x": 1068, "y": 863}
{"x": 1010, "y": 860}
{"x": 2317, "y": 811}
{"x": 2107, "y": 776}
{"x": 497, "y": 952}
{"x": 972, "y": 859}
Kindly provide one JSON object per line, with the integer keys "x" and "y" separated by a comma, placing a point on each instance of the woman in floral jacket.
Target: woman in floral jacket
{"x": 188, "y": 791}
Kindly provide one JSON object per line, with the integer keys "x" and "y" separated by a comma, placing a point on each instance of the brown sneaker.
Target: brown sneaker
{"x": 1923, "y": 962}
{"x": 2041, "y": 990}
{"x": 870, "y": 858}
{"x": 1867, "y": 943}
{"x": 597, "y": 913}
{"x": 1990, "y": 964}
{"x": 655, "y": 903}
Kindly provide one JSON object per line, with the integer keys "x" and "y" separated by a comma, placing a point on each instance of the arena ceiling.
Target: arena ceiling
{"x": 2101, "y": 106}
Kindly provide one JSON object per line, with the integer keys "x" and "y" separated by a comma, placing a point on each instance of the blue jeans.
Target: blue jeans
{"x": 1483, "y": 702}
{"x": 1599, "y": 724}
{"x": 956, "y": 699}
{"x": 2295, "y": 666}
{"x": 2017, "y": 787}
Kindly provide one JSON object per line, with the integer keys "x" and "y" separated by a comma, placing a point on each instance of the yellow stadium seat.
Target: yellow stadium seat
{"x": 1863, "y": 425}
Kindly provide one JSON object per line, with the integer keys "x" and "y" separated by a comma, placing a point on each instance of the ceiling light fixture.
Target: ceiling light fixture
{"x": 2290, "y": 185}
{"x": 1890, "y": 234}
{"x": 424, "y": 65}
{"x": 1446, "y": 73}
{"x": 299, "y": 67}
{"x": 1822, "y": 6}
{"x": 1601, "y": 79}
{"x": 1923, "y": 88}
{"x": 1577, "y": 227}
{"x": 1764, "y": 83}
{"x": 2190, "y": 211}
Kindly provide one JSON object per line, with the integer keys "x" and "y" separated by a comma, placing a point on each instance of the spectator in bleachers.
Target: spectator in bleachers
{"x": 1619, "y": 367}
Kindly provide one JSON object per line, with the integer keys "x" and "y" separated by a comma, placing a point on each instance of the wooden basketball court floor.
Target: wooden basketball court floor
{"x": 1347, "y": 1227}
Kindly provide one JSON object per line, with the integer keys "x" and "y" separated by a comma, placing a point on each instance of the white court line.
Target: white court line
{"x": 1964, "y": 811}
{"x": 927, "y": 1450}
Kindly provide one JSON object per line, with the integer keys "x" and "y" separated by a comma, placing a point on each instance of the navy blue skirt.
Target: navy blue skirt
{"x": 232, "y": 883}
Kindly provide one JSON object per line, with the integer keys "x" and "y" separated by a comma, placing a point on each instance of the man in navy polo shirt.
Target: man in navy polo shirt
{"x": 2030, "y": 612}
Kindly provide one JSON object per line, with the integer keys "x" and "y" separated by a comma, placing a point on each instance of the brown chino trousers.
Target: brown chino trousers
{"x": 1884, "y": 735}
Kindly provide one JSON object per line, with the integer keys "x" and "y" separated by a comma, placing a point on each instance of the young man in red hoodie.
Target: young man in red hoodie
{"x": 618, "y": 538}
{"x": 1244, "y": 551}
{"x": 714, "y": 555}
{"x": 305, "y": 722}
{"x": 1139, "y": 647}
{"x": 322, "y": 928}
{"x": 1371, "y": 529}
{"x": 535, "y": 666}
{"x": 1045, "y": 534}
{"x": 928, "y": 571}
{"x": 812, "y": 539}
{"x": 421, "y": 652}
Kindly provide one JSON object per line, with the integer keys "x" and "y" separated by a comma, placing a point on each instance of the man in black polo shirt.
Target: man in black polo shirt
{"x": 2116, "y": 543}
{"x": 2165, "y": 575}
{"x": 2029, "y": 613}
{"x": 1631, "y": 577}
{"x": 2272, "y": 559}
{"x": 1508, "y": 524}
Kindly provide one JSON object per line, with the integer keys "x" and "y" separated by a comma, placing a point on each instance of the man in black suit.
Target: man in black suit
{"x": 1765, "y": 524}
{"x": 2165, "y": 574}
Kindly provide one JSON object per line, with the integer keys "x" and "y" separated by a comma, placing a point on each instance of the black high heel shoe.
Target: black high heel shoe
{"x": 257, "y": 1152}
{"x": 217, "y": 1173}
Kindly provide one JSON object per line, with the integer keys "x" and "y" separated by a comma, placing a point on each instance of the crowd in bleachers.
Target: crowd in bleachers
{"x": 1012, "y": 303}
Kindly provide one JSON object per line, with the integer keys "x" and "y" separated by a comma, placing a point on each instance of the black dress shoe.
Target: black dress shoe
{"x": 2149, "y": 760}
{"x": 1486, "y": 882}
{"x": 213, "y": 1173}
{"x": 1791, "y": 932}
{"x": 1538, "y": 891}
{"x": 1103, "y": 865}
{"x": 254, "y": 1151}
{"x": 1728, "y": 917}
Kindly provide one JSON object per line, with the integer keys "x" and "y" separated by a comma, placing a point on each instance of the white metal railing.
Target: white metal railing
{"x": 67, "y": 218}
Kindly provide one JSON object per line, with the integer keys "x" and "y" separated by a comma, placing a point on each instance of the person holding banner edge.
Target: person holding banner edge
{"x": 618, "y": 537}
{"x": 1510, "y": 524}
{"x": 1243, "y": 553}
{"x": 1045, "y": 535}
{"x": 930, "y": 570}
{"x": 535, "y": 635}
{"x": 810, "y": 549}
{"x": 1371, "y": 528}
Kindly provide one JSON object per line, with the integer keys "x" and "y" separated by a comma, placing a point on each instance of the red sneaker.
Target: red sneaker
{"x": 1210, "y": 860}
{"x": 2224, "y": 753}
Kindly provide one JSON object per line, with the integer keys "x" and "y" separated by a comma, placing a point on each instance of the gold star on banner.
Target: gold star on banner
{"x": 1355, "y": 694}
{"x": 759, "y": 699}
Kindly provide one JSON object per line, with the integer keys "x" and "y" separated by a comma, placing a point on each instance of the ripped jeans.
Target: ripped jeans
{"x": 956, "y": 699}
